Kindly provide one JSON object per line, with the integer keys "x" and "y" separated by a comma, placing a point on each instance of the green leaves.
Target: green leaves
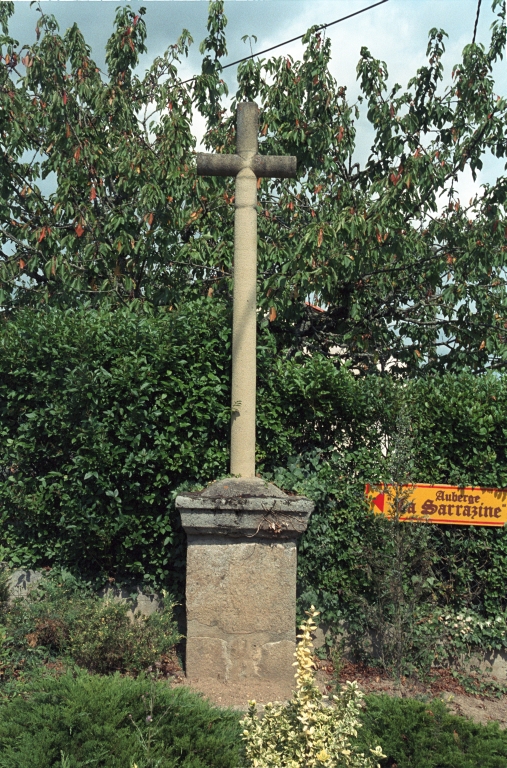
{"x": 125, "y": 45}
{"x": 408, "y": 276}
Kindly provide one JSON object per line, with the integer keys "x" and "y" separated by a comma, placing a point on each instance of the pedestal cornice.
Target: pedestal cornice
{"x": 244, "y": 507}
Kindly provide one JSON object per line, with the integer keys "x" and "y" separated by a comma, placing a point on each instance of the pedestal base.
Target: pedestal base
{"x": 241, "y": 581}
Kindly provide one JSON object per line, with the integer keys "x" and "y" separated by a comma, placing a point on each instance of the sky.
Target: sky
{"x": 396, "y": 32}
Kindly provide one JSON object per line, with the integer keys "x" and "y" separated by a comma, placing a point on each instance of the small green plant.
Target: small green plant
{"x": 63, "y": 620}
{"x": 306, "y": 733}
{"x": 105, "y": 639}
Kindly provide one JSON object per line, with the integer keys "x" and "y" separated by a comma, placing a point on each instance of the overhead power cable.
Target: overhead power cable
{"x": 476, "y": 20}
{"x": 298, "y": 37}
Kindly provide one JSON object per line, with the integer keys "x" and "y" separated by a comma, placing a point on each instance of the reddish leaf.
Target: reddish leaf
{"x": 79, "y": 230}
{"x": 93, "y": 193}
{"x": 150, "y": 219}
{"x": 22, "y": 264}
{"x": 340, "y": 133}
{"x": 272, "y": 314}
{"x": 42, "y": 235}
{"x": 77, "y": 154}
{"x": 64, "y": 97}
{"x": 320, "y": 237}
{"x": 395, "y": 177}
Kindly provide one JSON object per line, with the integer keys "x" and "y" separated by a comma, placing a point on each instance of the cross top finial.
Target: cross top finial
{"x": 247, "y": 166}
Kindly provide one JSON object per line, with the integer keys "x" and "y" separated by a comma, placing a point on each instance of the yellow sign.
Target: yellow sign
{"x": 443, "y": 504}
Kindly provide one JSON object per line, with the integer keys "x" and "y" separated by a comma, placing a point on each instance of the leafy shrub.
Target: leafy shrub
{"x": 114, "y": 722}
{"x": 306, "y": 733}
{"x": 104, "y": 639}
{"x": 61, "y": 618}
{"x": 417, "y": 734}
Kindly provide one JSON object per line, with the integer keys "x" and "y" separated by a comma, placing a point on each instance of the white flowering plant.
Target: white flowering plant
{"x": 454, "y": 637}
{"x": 310, "y": 731}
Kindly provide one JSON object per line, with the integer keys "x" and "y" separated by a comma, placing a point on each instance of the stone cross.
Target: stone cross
{"x": 247, "y": 166}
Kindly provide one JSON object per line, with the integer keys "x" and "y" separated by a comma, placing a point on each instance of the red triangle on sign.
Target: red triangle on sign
{"x": 379, "y": 501}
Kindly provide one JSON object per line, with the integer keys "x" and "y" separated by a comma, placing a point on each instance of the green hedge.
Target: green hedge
{"x": 79, "y": 719}
{"x": 104, "y": 416}
{"x": 417, "y": 734}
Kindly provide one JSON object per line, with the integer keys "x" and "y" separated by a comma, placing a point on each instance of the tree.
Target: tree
{"x": 400, "y": 281}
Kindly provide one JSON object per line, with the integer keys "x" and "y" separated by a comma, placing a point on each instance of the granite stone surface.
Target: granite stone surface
{"x": 241, "y": 580}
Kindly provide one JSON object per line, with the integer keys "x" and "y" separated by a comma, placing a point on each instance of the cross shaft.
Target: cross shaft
{"x": 247, "y": 166}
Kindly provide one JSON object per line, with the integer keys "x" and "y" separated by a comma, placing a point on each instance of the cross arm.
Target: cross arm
{"x": 269, "y": 166}
{"x": 264, "y": 166}
{"x": 219, "y": 165}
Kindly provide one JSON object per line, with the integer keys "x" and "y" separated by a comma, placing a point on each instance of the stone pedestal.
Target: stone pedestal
{"x": 241, "y": 580}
